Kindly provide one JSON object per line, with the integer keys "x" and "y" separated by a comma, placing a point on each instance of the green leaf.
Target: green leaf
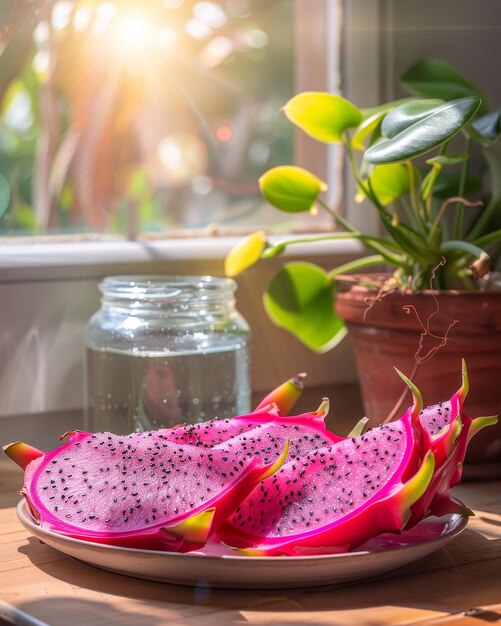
{"x": 447, "y": 185}
{"x": 406, "y": 115}
{"x": 464, "y": 247}
{"x": 427, "y": 134}
{"x": 437, "y": 163}
{"x": 389, "y": 182}
{"x": 290, "y": 188}
{"x": 489, "y": 239}
{"x": 409, "y": 240}
{"x": 23, "y": 217}
{"x": 323, "y": 116}
{"x": 429, "y": 181}
{"x": 366, "y": 128}
{"x": 436, "y": 79}
{"x": 384, "y": 108}
{"x": 371, "y": 122}
{"x": 485, "y": 129}
{"x": 415, "y": 245}
{"x": 448, "y": 159}
{"x": 5, "y": 195}
{"x": 358, "y": 264}
{"x": 300, "y": 299}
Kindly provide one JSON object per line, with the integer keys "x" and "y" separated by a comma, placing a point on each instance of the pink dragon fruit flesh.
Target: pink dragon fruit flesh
{"x": 137, "y": 490}
{"x": 263, "y": 433}
{"x": 335, "y": 498}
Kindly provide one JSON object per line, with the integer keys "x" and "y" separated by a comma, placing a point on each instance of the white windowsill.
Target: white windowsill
{"x": 82, "y": 260}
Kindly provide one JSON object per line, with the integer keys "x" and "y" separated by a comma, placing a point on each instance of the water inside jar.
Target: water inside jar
{"x": 146, "y": 390}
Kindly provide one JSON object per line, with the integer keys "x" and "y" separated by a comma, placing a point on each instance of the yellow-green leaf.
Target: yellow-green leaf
{"x": 290, "y": 188}
{"x": 323, "y": 116}
{"x": 246, "y": 252}
{"x": 429, "y": 181}
{"x": 367, "y": 127}
{"x": 390, "y": 182}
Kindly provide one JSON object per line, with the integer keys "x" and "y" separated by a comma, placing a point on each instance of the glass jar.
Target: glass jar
{"x": 164, "y": 350}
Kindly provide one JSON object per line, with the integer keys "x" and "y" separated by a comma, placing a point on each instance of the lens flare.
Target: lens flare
{"x": 132, "y": 30}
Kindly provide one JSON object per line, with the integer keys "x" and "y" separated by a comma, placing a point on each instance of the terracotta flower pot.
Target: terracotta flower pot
{"x": 387, "y": 335}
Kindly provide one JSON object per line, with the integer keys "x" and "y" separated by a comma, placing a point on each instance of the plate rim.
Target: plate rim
{"x": 25, "y": 517}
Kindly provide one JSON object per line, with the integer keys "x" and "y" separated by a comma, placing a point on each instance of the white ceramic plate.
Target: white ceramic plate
{"x": 218, "y": 567}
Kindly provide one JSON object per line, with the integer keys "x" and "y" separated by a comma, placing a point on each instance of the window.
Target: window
{"x": 131, "y": 118}
{"x": 196, "y": 172}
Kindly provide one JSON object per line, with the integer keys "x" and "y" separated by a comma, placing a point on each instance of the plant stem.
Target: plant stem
{"x": 489, "y": 239}
{"x": 493, "y": 158}
{"x": 368, "y": 261}
{"x": 459, "y": 211}
{"x": 445, "y": 204}
{"x": 413, "y": 218}
{"x": 339, "y": 219}
{"x": 367, "y": 190}
{"x": 419, "y": 210}
{"x": 412, "y": 185}
{"x": 390, "y": 251}
{"x": 378, "y": 244}
{"x": 358, "y": 236}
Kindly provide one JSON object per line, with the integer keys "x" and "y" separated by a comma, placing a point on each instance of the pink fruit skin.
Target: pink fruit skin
{"x": 449, "y": 444}
{"x": 444, "y": 445}
{"x": 159, "y": 536}
{"x": 386, "y": 510}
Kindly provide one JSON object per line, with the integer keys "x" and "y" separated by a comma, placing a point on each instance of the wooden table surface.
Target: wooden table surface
{"x": 459, "y": 585}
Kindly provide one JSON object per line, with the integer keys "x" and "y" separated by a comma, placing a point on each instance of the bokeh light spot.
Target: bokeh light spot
{"x": 196, "y": 29}
{"x": 61, "y": 14}
{"x": 223, "y": 133}
{"x": 216, "y": 51}
{"x": 210, "y": 13}
{"x": 255, "y": 38}
{"x": 183, "y": 157}
{"x": 202, "y": 185}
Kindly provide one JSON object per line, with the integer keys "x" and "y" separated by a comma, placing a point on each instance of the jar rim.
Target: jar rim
{"x": 166, "y": 287}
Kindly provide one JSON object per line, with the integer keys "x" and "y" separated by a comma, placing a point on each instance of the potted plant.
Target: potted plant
{"x": 411, "y": 160}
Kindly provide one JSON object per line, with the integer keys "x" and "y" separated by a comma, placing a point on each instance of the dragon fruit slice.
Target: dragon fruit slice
{"x": 449, "y": 430}
{"x": 137, "y": 490}
{"x": 337, "y": 497}
{"x": 215, "y": 432}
